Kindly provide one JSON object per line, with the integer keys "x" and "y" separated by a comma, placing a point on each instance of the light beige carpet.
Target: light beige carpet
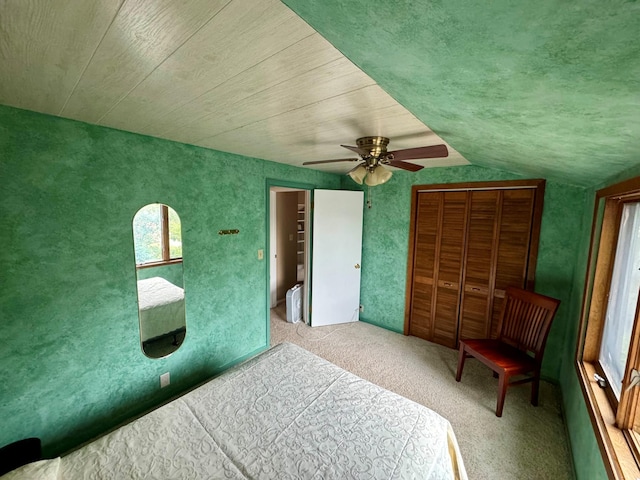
{"x": 526, "y": 443}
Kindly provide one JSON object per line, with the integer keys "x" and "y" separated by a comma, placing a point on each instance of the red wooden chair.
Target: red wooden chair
{"x": 524, "y": 325}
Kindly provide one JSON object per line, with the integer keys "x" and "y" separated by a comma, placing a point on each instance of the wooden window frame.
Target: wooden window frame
{"x": 166, "y": 254}
{"x": 611, "y": 420}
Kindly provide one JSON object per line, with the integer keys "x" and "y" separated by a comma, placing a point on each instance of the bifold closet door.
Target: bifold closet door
{"x": 449, "y": 260}
{"x": 440, "y": 235}
{"x": 497, "y": 256}
{"x": 426, "y": 243}
{"x": 468, "y": 245}
{"x": 514, "y": 242}
{"x": 476, "y": 305}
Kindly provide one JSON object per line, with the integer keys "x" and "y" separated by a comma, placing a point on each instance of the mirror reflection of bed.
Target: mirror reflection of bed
{"x": 159, "y": 279}
{"x": 162, "y": 318}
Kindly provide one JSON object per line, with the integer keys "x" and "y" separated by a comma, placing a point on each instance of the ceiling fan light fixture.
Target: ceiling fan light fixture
{"x": 378, "y": 176}
{"x": 358, "y": 174}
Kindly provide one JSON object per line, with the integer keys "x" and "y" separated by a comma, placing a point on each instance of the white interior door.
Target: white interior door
{"x": 337, "y": 253}
{"x": 273, "y": 270}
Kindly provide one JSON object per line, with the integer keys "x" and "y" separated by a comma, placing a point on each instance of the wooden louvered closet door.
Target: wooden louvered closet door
{"x": 516, "y": 237}
{"x": 468, "y": 243}
{"x": 438, "y": 268}
{"x": 426, "y": 241}
{"x": 448, "y": 275}
{"x": 479, "y": 274}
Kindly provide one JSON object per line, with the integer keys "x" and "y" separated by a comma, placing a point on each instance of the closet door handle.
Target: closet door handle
{"x": 357, "y": 266}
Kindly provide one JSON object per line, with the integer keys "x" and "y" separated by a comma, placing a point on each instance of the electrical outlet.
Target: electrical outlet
{"x": 362, "y": 308}
{"x": 260, "y": 254}
{"x": 165, "y": 380}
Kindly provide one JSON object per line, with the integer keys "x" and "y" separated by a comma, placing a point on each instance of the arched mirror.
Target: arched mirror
{"x": 157, "y": 237}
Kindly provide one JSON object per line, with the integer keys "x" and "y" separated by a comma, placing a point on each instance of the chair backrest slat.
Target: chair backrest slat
{"x": 526, "y": 319}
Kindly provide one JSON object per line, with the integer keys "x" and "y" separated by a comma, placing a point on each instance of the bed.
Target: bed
{"x": 285, "y": 414}
{"x": 161, "y": 307}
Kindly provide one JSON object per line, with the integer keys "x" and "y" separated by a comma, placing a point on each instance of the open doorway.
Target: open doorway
{"x": 289, "y": 245}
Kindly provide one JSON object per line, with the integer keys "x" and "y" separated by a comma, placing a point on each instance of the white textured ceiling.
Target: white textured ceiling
{"x": 242, "y": 76}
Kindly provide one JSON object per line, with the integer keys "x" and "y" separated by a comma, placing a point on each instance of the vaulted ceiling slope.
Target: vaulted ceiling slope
{"x": 242, "y": 76}
{"x": 547, "y": 88}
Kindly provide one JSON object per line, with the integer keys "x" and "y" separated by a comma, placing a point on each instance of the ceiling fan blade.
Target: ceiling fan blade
{"x": 434, "y": 151}
{"x": 333, "y": 161}
{"x": 412, "y": 167}
{"x": 358, "y": 150}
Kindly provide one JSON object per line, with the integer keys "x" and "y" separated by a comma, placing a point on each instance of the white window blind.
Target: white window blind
{"x": 623, "y": 298}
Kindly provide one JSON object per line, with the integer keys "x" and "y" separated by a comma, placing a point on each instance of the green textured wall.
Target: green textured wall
{"x": 70, "y": 355}
{"x": 587, "y": 458}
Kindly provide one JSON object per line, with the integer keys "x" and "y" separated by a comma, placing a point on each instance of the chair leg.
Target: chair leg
{"x": 503, "y": 383}
{"x": 461, "y": 357}
{"x": 535, "y": 388}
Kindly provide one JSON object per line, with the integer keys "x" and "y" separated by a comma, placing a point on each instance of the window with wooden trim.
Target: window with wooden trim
{"x": 157, "y": 236}
{"x": 609, "y": 346}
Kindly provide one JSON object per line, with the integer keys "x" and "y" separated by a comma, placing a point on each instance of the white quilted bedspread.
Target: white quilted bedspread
{"x": 161, "y": 307}
{"x": 286, "y": 414}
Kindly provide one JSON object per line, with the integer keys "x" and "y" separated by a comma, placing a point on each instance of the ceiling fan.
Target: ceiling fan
{"x": 373, "y": 153}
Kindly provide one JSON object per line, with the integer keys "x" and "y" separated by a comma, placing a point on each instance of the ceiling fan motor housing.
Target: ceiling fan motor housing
{"x": 377, "y": 148}
{"x": 375, "y": 145}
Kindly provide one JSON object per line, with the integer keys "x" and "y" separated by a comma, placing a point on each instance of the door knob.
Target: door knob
{"x": 357, "y": 266}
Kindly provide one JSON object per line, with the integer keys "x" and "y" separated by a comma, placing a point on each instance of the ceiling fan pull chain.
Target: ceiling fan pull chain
{"x": 368, "y": 196}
